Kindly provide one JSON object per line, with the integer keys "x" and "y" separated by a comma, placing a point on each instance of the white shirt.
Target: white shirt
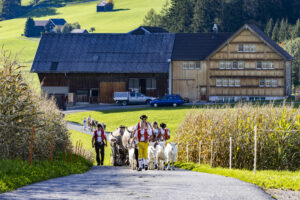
{"x": 155, "y": 132}
{"x": 137, "y": 125}
{"x": 143, "y": 134}
{"x": 163, "y": 133}
{"x": 99, "y": 138}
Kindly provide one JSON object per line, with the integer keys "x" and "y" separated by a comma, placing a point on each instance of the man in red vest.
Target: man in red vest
{"x": 165, "y": 133}
{"x": 143, "y": 133}
{"x": 99, "y": 141}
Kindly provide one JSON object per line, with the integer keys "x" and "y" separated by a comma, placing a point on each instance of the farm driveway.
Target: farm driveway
{"x": 122, "y": 183}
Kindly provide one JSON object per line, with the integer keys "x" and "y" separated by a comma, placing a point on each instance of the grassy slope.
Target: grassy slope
{"x": 114, "y": 118}
{"x": 120, "y": 21}
{"x": 265, "y": 178}
{"x": 17, "y": 173}
{"x": 86, "y": 141}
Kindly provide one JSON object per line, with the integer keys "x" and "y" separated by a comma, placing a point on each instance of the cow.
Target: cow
{"x": 171, "y": 154}
{"x": 160, "y": 155}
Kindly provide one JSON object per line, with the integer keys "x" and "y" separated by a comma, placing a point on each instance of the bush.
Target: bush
{"x": 20, "y": 110}
{"x": 276, "y": 149}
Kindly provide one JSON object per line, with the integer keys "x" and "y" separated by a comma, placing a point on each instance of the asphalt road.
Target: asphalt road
{"x": 123, "y": 183}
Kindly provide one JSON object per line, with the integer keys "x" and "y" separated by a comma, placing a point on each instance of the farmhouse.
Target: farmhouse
{"x": 49, "y": 25}
{"x": 244, "y": 65}
{"x": 93, "y": 66}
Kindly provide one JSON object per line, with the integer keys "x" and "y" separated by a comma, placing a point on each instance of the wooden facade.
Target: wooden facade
{"x": 230, "y": 73}
{"x": 96, "y": 88}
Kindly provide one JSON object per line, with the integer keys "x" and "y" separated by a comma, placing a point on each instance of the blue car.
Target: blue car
{"x": 168, "y": 100}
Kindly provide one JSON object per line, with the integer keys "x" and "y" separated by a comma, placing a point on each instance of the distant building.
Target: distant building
{"x": 142, "y": 30}
{"x": 49, "y": 25}
{"x": 105, "y": 6}
{"x": 79, "y": 31}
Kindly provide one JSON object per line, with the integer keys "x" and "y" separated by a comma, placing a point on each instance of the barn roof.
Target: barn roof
{"x": 148, "y": 29}
{"x": 41, "y": 22}
{"x": 197, "y": 46}
{"x": 103, "y": 53}
{"x": 58, "y": 22}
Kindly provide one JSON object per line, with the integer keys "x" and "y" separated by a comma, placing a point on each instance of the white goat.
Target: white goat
{"x": 160, "y": 155}
{"x": 151, "y": 156}
{"x": 171, "y": 154}
{"x": 132, "y": 160}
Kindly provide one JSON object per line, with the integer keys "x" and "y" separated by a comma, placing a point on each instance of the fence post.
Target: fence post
{"x": 200, "y": 152}
{"x": 230, "y": 152}
{"x": 70, "y": 152}
{"x": 51, "y": 149}
{"x": 211, "y": 153}
{"x": 187, "y": 153}
{"x": 66, "y": 143}
{"x": 255, "y": 148}
{"x": 31, "y": 145}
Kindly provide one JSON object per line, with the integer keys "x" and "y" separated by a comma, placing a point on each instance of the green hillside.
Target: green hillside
{"x": 128, "y": 15}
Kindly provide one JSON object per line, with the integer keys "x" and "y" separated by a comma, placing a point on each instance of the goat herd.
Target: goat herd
{"x": 125, "y": 151}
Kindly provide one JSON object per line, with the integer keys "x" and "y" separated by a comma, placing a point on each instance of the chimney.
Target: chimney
{"x": 215, "y": 31}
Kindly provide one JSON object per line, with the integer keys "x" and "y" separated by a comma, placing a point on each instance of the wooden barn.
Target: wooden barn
{"x": 90, "y": 67}
{"x": 245, "y": 65}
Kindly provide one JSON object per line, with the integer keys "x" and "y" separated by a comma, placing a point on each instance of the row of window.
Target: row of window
{"x": 246, "y": 48}
{"x": 228, "y": 82}
{"x": 191, "y": 65}
{"x": 134, "y": 83}
{"x": 268, "y": 83}
{"x": 241, "y": 65}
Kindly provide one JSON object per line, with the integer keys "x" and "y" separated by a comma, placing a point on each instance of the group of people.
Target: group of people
{"x": 143, "y": 134}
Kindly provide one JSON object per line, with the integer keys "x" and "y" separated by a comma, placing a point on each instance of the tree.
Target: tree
{"x": 275, "y": 31}
{"x": 283, "y": 33}
{"x": 152, "y": 18}
{"x": 269, "y": 28}
{"x": 293, "y": 48}
{"x": 30, "y": 29}
{"x": 67, "y": 28}
{"x": 10, "y": 8}
{"x": 92, "y": 29}
{"x": 296, "y": 30}
{"x": 205, "y": 13}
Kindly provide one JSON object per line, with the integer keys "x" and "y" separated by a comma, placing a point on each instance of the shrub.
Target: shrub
{"x": 20, "y": 110}
{"x": 278, "y": 146}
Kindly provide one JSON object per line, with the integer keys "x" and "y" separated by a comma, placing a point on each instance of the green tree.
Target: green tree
{"x": 92, "y": 29}
{"x": 275, "y": 31}
{"x": 67, "y": 28}
{"x": 10, "y": 8}
{"x": 205, "y": 13}
{"x": 293, "y": 48}
{"x": 152, "y": 18}
{"x": 30, "y": 29}
{"x": 296, "y": 30}
{"x": 269, "y": 28}
{"x": 283, "y": 33}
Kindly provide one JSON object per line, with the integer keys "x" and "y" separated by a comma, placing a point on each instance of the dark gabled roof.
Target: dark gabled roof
{"x": 147, "y": 30}
{"x": 273, "y": 44}
{"x": 104, "y": 53}
{"x": 41, "y": 22}
{"x": 197, "y": 46}
{"x": 58, "y": 22}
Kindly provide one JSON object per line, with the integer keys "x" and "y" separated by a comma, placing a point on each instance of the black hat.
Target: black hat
{"x": 99, "y": 125}
{"x": 163, "y": 125}
{"x": 144, "y": 117}
{"x": 122, "y": 126}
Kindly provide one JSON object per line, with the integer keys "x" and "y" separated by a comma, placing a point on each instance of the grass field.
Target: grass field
{"x": 114, "y": 118}
{"x": 128, "y": 15}
{"x": 265, "y": 178}
{"x": 17, "y": 173}
{"x": 87, "y": 145}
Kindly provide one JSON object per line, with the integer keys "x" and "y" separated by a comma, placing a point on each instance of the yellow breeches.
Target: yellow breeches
{"x": 143, "y": 150}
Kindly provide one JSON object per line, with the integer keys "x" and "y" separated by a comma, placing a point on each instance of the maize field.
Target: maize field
{"x": 21, "y": 109}
{"x": 278, "y": 136}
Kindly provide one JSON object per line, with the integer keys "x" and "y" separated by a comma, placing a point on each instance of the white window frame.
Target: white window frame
{"x": 274, "y": 83}
{"x": 241, "y": 65}
{"x": 153, "y": 84}
{"x": 231, "y": 83}
{"x": 225, "y": 82}
{"x": 268, "y": 83}
{"x": 185, "y": 65}
{"x": 219, "y": 82}
{"x": 247, "y": 48}
{"x": 261, "y": 83}
{"x": 222, "y": 65}
{"x": 237, "y": 82}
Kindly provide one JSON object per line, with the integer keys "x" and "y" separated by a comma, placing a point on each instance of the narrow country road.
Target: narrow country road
{"x": 123, "y": 183}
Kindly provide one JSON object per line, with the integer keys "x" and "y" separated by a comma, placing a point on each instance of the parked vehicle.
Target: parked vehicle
{"x": 125, "y": 98}
{"x": 168, "y": 100}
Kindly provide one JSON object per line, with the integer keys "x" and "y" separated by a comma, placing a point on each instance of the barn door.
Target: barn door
{"x": 107, "y": 90}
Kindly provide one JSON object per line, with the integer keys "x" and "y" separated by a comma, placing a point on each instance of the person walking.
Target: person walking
{"x": 99, "y": 141}
{"x": 165, "y": 133}
{"x": 156, "y": 135}
{"x": 143, "y": 133}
